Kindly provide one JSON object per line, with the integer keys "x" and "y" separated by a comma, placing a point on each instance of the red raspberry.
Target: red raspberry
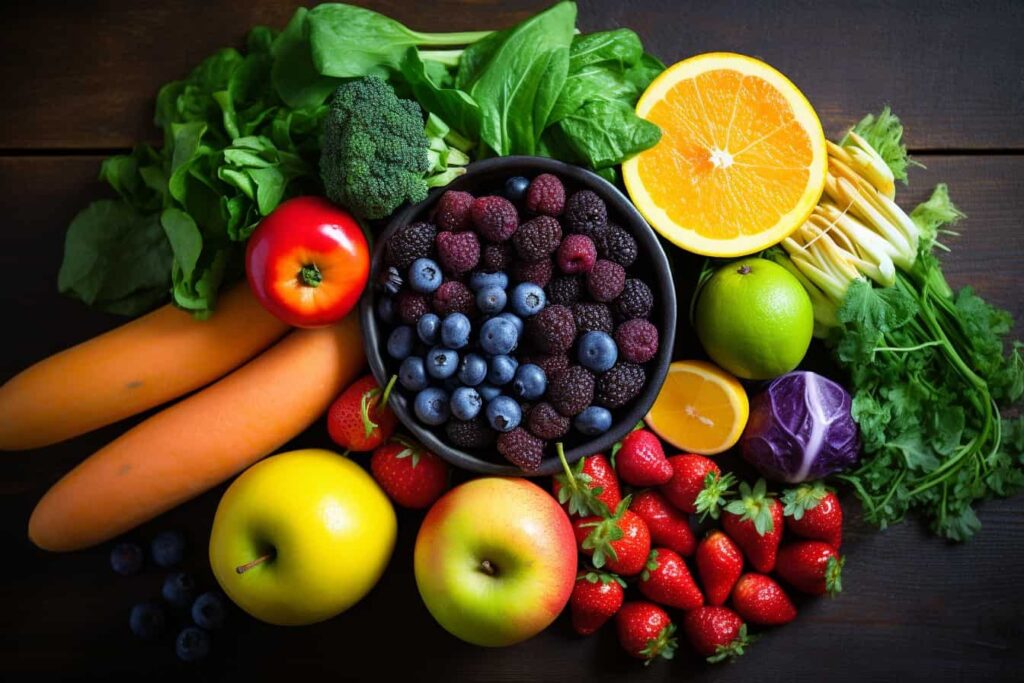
{"x": 538, "y": 273}
{"x": 458, "y": 252}
{"x": 606, "y": 280}
{"x": 576, "y": 254}
{"x": 454, "y": 297}
{"x": 412, "y": 306}
{"x": 452, "y": 211}
{"x": 495, "y": 218}
{"x": 546, "y": 195}
{"x": 637, "y": 340}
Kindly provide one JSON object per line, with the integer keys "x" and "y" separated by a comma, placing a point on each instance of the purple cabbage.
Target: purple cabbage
{"x": 800, "y": 428}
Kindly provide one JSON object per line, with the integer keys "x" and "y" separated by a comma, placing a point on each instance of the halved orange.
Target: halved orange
{"x": 700, "y": 409}
{"x": 741, "y": 161}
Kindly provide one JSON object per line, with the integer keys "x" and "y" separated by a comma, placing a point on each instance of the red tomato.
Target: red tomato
{"x": 308, "y": 262}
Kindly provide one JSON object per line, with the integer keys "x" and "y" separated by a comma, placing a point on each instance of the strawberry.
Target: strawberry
{"x": 719, "y": 564}
{"x": 813, "y": 567}
{"x": 620, "y": 542}
{"x": 641, "y": 460}
{"x": 360, "y": 419}
{"x": 667, "y": 581}
{"x": 697, "y": 485}
{"x": 669, "y": 527}
{"x": 760, "y": 600}
{"x": 595, "y": 599}
{"x": 412, "y": 476}
{"x": 645, "y": 631}
{"x": 755, "y": 523}
{"x": 812, "y": 511}
{"x": 589, "y": 487}
{"x": 717, "y": 633}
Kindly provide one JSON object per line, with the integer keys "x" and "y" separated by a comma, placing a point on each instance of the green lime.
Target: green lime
{"x": 754, "y": 319}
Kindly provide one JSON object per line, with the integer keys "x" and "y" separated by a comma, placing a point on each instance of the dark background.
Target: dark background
{"x": 79, "y": 80}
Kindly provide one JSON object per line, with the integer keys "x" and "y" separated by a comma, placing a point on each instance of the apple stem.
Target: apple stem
{"x": 241, "y": 569}
{"x": 488, "y": 568}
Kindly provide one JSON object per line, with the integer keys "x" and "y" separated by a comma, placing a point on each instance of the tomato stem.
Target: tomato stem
{"x": 310, "y": 275}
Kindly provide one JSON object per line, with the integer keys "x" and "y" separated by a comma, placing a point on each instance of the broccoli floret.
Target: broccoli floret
{"x": 377, "y": 153}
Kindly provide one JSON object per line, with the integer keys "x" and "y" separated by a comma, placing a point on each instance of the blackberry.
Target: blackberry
{"x": 458, "y": 252}
{"x": 635, "y": 301}
{"x": 637, "y": 340}
{"x": 495, "y": 218}
{"x": 620, "y": 385}
{"x": 617, "y": 245}
{"x": 544, "y": 422}
{"x": 414, "y": 241}
{"x": 586, "y": 214}
{"x": 606, "y": 280}
{"x": 564, "y": 290}
{"x": 454, "y": 297}
{"x": 495, "y": 257}
{"x": 546, "y": 195}
{"x": 522, "y": 449}
{"x": 553, "y": 330}
{"x": 537, "y": 238}
{"x": 412, "y": 306}
{"x": 452, "y": 211}
{"x": 591, "y": 317}
{"x": 571, "y": 391}
{"x": 475, "y": 433}
{"x": 538, "y": 273}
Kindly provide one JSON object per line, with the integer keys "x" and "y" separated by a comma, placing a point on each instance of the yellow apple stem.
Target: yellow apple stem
{"x": 241, "y": 569}
{"x": 487, "y": 567}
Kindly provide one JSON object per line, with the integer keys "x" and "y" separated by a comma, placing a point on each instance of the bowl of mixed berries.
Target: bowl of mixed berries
{"x": 525, "y": 308}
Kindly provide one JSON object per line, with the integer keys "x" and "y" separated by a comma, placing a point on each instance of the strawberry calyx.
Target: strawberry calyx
{"x": 603, "y": 533}
{"x": 650, "y": 566}
{"x": 733, "y": 649}
{"x": 663, "y": 645}
{"x": 600, "y": 577}
{"x": 754, "y": 505}
{"x": 834, "y": 575}
{"x": 575, "y": 489}
{"x": 409, "y": 449}
{"x": 712, "y": 498}
{"x": 805, "y": 497}
{"x": 366, "y": 403}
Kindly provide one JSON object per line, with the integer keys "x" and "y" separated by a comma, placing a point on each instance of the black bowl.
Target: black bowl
{"x": 488, "y": 177}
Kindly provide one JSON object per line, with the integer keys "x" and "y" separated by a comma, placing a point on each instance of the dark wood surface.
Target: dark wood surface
{"x": 79, "y": 81}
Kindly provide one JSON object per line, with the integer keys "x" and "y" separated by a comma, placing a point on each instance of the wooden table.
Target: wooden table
{"x": 79, "y": 80}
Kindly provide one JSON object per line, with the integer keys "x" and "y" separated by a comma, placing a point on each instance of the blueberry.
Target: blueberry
{"x": 412, "y": 374}
{"x": 514, "y": 319}
{"x": 491, "y": 300}
{"x": 400, "y": 342}
{"x": 527, "y": 299}
{"x": 498, "y": 336}
{"x": 489, "y": 392}
{"x": 466, "y": 403}
{"x": 502, "y": 370}
{"x": 530, "y": 382}
{"x": 515, "y": 188}
{"x": 147, "y": 620}
{"x": 425, "y": 275}
{"x": 431, "y": 406}
{"x": 167, "y": 549}
{"x": 481, "y": 280}
{"x": 504, "y": 414}
{"x": 597, "y": 351}
{"x": 126, "y": 559}
{"x": 441, "y": 362}
{"x": 455, "y": 329}
{"x": 179, "y": 589}
{"x": 208, "y": 611}
{"x": 386, "y": 309}
{"x": 193, "y": 644}
{"x": 429, "y": 328}
{"x": 472, "y": 369}
{"x": 593, "y": 421}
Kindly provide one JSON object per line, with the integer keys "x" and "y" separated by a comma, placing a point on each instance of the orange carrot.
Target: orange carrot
{"x": 149, "y": 361}
{"x": 200, "y": 441}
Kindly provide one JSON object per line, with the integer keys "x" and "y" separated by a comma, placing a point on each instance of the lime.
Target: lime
{"x": 754, "y": 319}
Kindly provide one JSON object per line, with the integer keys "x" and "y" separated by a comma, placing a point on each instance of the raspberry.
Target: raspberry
{"x": 495, "y": 257}
{"x": 564, "y": 290}
{"x": 637, "y": 340}
{"x": 617, "y": 245}
{"x": 576, "y": 254}
{"x": 538, "y": 238}
{"x": 544, "y": 422}
{"x": 586, "y": 214}
{"x": 495, "y": 218}
{"x": 606, "y": 280}
{"x": 454, "y": 297}
{"x": 521, "y": 448}
{"x": 412, "y": 306}
{"x": 458, "y": 252}
{"x": 546, "y": 195}
{"x": 538, "y": 273}
{"x": 551, "y": 364}
{"x": 475, "y": 433}
{"x": 414, "y": 241}
{"x": 553, "y": 330}
{"x": 572, "y": 391}
{"x": 452, "y": 211}
{"x": 635, "y": 301}
{"x": 592, "y": 317}
{"x": 620, "y": 385}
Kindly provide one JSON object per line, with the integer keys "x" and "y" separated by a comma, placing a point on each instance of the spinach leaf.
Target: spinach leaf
{"x": 293, "y": 74}
{"x": 477, "y": 56}
{"x": 455, "y": 107}
{"x": 619, "y": 47}
{"x": 605, "y": 132}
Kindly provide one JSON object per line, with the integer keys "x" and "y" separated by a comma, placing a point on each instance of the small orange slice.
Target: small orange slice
{"x": 700, "y": 409}
{"x": 741, "y": 161}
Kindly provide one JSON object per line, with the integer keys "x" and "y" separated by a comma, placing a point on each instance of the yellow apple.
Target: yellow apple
{"x": 301, "y": 536}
